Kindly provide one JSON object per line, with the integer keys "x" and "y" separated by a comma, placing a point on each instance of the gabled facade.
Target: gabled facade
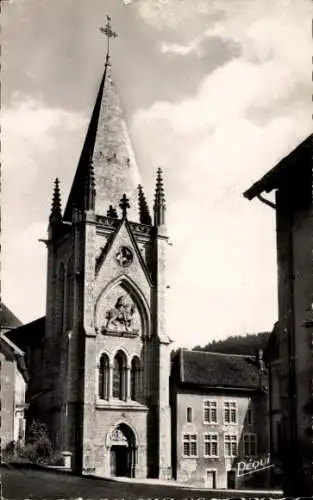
{"x": 291, "y": 180}
{"x": 104, "y": 372}
{"x": 219, "y": 406}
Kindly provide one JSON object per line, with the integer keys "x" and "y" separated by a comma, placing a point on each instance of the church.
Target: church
{"x": 106, "y": 359}
{"x": 100, "y": 359}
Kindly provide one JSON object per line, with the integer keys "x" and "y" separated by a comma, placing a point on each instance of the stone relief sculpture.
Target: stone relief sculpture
{"x": 121, "y": 318}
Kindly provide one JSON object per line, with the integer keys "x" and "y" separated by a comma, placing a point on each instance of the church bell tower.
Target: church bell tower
{"x": 106, "y": 306}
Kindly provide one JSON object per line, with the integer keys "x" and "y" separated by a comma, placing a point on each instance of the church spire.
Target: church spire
{"x": 144, "y": 215}
{"x": 90, "y": 188}
{"x": 159, "y": 207}
{"x": 56, "y": 209}
{"x": 108, "y": 145}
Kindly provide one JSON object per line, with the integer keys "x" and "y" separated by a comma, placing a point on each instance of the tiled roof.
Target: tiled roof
{"x": 8, "y": 346}
{"x": 7, "y": 319}
{"x": 28, "y": 335}
{"x": 212, "y": 369}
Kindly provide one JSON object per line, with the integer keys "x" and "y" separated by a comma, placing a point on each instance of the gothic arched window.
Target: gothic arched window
{"x": 104, "y": 375}
{"x": 135, "y": 379}
{"x": 119, "y": 376}
{"x": 60, "y": 298}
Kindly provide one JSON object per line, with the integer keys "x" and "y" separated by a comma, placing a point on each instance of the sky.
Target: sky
{"x": 215, "y": 92}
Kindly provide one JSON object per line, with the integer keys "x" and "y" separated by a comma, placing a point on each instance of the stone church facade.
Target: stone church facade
{"x": 106, "y": 352}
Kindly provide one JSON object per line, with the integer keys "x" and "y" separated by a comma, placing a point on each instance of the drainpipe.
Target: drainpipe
{"x": 266, "y": 202}
{"x": 270, "y": 386}
{"x": 291, "y": 352}
{"x": 270, "y": 407}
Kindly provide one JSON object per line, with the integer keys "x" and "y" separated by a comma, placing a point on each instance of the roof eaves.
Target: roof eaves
{"x": 11, "y": 344}
{"x": 231, "y": 388}
{"x": 272, "y": 178}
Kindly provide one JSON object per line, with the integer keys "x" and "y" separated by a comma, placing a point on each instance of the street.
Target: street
{"x": 20, "y": 484}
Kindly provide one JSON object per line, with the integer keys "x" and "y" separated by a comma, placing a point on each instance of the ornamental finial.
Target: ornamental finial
{"x": 159, "y": 200}
{"x": 144, "y": 215}
{"x": 124, "y": 205}
{"x": 56, "y": 210}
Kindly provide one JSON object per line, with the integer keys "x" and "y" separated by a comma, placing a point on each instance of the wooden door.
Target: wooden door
{"x": 210, "y": 479}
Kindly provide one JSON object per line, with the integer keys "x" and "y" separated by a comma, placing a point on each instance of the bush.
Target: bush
{"x": 9, "y": 451}
{"x": 36, "y": 432}
{"x": 38, "y": 448}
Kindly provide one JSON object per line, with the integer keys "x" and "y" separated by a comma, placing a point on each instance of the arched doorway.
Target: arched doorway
{"x": 122, "y": 451}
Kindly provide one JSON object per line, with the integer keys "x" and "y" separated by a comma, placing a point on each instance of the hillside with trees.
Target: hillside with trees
{"x": 237, "y": 344}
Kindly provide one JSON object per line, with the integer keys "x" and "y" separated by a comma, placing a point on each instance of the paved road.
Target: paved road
{"x": 20, "y": 484}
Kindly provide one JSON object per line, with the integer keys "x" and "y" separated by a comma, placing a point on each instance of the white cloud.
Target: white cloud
{"x": 23, "y": 280}
{"x": 225, "y": 278}
{"x": 182, "y": 50}
{"x": 173, "y": 14}
{"x": 280, "y": 31}
{"x": 31, "y": 137}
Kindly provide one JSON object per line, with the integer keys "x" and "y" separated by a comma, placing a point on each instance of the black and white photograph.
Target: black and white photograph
{"x": 156, "y": 311}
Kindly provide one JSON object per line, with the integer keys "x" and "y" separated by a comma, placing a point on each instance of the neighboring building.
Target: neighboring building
{"x": 12, "y": 393}
{"x": 30, "y": 339}
{"x": 8, "y": 321}
{"x": 292, "y": 181}
{"x": 13, "y": 382}
{"x": 219, "y": 406}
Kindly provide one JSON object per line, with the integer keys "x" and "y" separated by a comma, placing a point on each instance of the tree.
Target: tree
{"x": 237, "y": 344}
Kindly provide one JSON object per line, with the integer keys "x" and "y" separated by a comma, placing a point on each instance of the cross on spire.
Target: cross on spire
{"x": 108, "y": 32}
{"x": 124, "y": 205}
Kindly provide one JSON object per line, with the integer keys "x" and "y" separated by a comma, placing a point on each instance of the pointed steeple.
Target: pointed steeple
{"x": 159, "y": 207}
{"x": 90, "y": 188}
{"x": 56, "y": 209}
{"x": 107, "y": 143}
{"x": 144, "y": 215}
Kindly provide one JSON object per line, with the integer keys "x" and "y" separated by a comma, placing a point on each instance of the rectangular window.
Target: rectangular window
{"x": 230, "y": 442}
{"x": 210, "y": 412}
{"x": 190, "y": 445}
{"x": 249, "y": 416}
{"x": 189, "y": 415}
{"x": 230, "y": 412}
{"x": 249, "y": 445}
{"x": 211, "y": 445}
